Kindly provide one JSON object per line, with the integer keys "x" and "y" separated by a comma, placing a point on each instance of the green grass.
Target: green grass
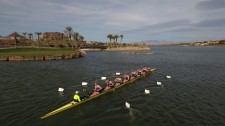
{"x": 35, "y": 51}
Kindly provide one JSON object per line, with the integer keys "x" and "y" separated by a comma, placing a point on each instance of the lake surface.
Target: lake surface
{"x": 193, "y": 96}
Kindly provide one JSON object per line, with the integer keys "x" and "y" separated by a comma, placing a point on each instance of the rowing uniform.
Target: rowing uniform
{"x": 110, "y": 84}
{"x": 76, "y": 98}
{"x": 118, "y": 80}
{"x": 139, "y": 73}
{"x": 98, "y": 88}
{"x": 133, "y": 75}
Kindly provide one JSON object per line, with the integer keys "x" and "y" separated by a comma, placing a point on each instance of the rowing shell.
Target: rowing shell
{"x": 72, "y": 104}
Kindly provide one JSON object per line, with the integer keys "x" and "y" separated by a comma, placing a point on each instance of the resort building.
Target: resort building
{"x": 16, "y": 36}
{"x": 53, "y": 36}
{"x": 6, "y": 42}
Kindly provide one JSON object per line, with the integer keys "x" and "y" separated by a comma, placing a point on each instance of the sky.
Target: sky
{"x": 136, "y": 20}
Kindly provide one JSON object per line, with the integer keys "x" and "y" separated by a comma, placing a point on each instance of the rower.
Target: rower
{"x": 133, "y": 75}
{"x": 139, "y": 72}
{"x": 76, "y": 97}
{"x": 144, "y": 70}
{"x": 118, "y": 81}
{"x": 110, "y": 84}
{"x": 97, "y": 89}
{"x": 126, "y": 78}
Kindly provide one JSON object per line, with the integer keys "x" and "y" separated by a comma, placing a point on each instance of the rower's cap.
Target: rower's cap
{"x": 76, "y": 92}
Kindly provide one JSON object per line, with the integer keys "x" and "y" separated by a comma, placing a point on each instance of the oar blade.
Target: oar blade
{"x": 127, "y": 105}
{"x": 147, "y": 91}
{"x": 84, "y": 83}
{"x": 60, "y": 89}
{"x": 168, "y": 77}
{"x": 159, "y": 83}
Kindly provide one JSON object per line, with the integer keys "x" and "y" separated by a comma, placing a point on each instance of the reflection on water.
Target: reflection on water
{"x": 193, "y": 96}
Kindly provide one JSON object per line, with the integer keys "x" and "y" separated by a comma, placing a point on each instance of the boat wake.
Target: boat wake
{"x": 133, "y": 114}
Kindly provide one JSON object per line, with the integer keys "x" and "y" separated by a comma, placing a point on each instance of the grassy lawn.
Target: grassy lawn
{"x": 35, "y": 51}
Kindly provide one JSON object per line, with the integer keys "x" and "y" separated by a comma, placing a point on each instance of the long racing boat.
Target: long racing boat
{"x": 73, "y": 103}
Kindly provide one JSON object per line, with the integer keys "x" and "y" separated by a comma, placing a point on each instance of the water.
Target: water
{"x": 194, "y": 95}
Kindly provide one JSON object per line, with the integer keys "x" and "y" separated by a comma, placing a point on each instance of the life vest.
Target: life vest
{"x": 76, "y": 97}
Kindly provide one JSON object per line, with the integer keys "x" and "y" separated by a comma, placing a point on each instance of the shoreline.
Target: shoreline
{"x": 128, "y": 49}
{"x": 41, "y": 57}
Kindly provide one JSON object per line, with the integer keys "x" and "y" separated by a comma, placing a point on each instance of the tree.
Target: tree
{"x": 15, "y": 38}
{"x": 110, "y": 36}
{"x": 113, "y": 38}
{"x": 116, "y": 37}
{"x": 24, "y": 34}
{"x": 38, "y": 34}
{"x": 121, "y": 38}
{"x": 30, "y": 35}
{"x": 69, "y": 32}
{"x": 81, "y": 38}
{"x": 75, "y": 35}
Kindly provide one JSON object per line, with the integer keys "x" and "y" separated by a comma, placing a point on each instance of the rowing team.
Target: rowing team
{"x": 118, "y": 81}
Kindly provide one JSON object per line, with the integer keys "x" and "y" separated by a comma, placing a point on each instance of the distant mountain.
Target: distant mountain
{"x": 155, "y": 42}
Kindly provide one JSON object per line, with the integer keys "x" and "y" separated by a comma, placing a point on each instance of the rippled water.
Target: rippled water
{"x": 194, "y": 95}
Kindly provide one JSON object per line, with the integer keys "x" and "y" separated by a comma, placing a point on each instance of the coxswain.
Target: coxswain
{"x": 76, "y": 97}
{"x": 97, "y": 89}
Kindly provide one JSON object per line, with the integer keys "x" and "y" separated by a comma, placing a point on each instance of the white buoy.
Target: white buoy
{"x": 60, "y": 89}
{"x": 147, "y": 91}
{"x": 103, "y": 78}
{"x": 84, "y": 83}
{"x": 159, "y": 83}
{"x": 117, "y": 73}
{"x": 168, "y": 77}
{"x": 127, "y": 104}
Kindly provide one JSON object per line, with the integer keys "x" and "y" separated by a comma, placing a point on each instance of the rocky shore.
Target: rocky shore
{"x": 41, "y": 57}
{"x": 127, "y": 48}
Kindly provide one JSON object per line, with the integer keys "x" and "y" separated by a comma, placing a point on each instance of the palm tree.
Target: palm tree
{"x": 30, "y": 35}
{"x": 121, "y": 38}
{"x": 116, "y": 37}
{"x": 15, "y": 38}
{"x": 75, "y": 36}
{"x": 38, "y": 34}
{"x": 69, "y": 31}
{"x": 24, "y": 34}
{"x": 110, "y": 36}
{"x": 81, "y": 38}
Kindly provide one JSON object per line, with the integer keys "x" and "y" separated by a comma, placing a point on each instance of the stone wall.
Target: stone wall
{"x": 41, "y": 58}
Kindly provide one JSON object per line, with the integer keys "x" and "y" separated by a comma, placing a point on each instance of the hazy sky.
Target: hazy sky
{"x": 137, "y": 20}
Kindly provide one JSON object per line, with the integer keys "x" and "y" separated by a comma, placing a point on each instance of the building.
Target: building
{"x": 6, "y": 42}
{"x": 16, "y": 36}
{"x": 53, "y": 36}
